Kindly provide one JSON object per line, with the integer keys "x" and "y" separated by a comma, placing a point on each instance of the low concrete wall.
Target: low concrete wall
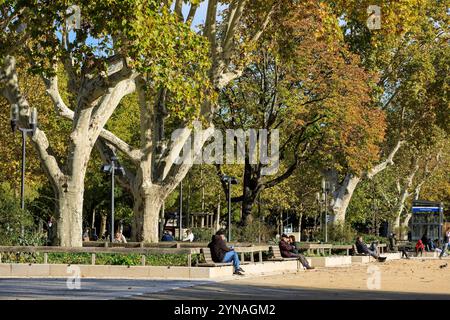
{"x": 141, "y": 272}
{"x": 271, "y": 267}
{"x": 105, "y": 271}
{"x": 367, "y": 259}
{"x": 333, "y": 261}
{"x": 427, "y": 254}
{"x": 362, "y": 259}
{"x": 392, "y": 255}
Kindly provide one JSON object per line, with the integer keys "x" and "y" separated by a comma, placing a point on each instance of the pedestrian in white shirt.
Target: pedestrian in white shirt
{"x": 189, "y": 236}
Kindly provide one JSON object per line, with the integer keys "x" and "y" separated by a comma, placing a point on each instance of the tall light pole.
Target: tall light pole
{"x": 25, "y": 131}
{"x": 319, "y": 203}
{"x": 229, "y": 180}
{"x": 181, "y": 211}
{"x": 327, "y": 187}
{"x": 113, "y": 168}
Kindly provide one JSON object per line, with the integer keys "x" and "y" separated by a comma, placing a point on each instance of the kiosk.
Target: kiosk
{"x": 427, "y": 217}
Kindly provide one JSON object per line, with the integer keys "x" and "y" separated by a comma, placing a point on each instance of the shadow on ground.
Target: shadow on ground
{"x": 106, "y": 289}
{"x": 218, "y": 291}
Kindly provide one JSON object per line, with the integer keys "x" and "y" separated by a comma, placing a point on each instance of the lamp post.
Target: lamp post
{"x": 25, "y": 131}
{"x": 319, "y": 203}
{"x": 327, "y": 188}
{"x": 113, "y": 169}
{"x": 181, "y": 211}
{"x": 229, "y": 180}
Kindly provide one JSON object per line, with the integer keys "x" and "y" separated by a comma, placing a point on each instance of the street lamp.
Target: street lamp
{"x": 229, "y": 180}
{"x": 180, "y": 215}
{"x": 327, "y": 188}
{"x": 25, "y": 131}
{"x": 113, "y": 168}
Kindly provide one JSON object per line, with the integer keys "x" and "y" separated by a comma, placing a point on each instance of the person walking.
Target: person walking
{"x": 446, "y": 242}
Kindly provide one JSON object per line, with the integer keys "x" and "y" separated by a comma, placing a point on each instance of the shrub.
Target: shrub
{"x": 101, "y": 259}
{"x": 202, "y": 234}
{"x": 13, "y": 218}
{"x": 252, "y": 232}
{"x": 341, "y": 233}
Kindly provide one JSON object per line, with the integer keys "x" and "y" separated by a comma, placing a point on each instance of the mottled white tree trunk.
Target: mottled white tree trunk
{"x": 343, "y": 196}
{"x": 345, "y": 190}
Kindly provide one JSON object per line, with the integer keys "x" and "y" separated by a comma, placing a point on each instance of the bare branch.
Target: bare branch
{"x": 63, "y": 110}
{"x": 109, "y": 102}
{"x": 263, "y": 27}
{"x": 389, "y": 161}
{"x": 235, "y": 14}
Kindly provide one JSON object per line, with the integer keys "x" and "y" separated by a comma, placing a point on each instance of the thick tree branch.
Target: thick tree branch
{"x": 235, "y": 15}
{"x": 63, "y": 110}
{"x": 384, "y": 164}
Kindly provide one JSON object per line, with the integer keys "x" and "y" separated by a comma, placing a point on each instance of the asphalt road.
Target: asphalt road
{"x": 90, "y": 289}
{"x": 102, "y": 289}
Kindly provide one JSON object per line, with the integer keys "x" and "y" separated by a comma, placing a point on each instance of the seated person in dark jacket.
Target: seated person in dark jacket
{"x": 425, "y": 242}
{"x": 362, "y": 248}
{"x": 293, "y": 243}
{"x": 394, "y": 247}
{"x": 221, "y": 253}
{"x": 286, "y": 251}
{"x": 167, "y": 236}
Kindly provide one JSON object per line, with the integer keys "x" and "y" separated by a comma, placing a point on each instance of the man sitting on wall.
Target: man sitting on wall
{"x": 286, "y": 251}
{"x": 362, "y": 248}
{"x": 221, "y": 253}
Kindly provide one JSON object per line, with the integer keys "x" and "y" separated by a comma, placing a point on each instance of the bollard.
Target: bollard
{"x": 45, "y": 257}
{"x": 143, "y": 260}
{"x": 93, "y": 259}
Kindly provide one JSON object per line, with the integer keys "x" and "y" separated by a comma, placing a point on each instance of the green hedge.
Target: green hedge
{"x": 101, "y": 259}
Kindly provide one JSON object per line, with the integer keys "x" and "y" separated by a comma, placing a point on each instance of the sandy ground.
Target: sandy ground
{"x": 414, "y": 275}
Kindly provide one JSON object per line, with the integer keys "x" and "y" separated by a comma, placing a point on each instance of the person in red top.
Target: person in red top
{"x": 419, "y": 247}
